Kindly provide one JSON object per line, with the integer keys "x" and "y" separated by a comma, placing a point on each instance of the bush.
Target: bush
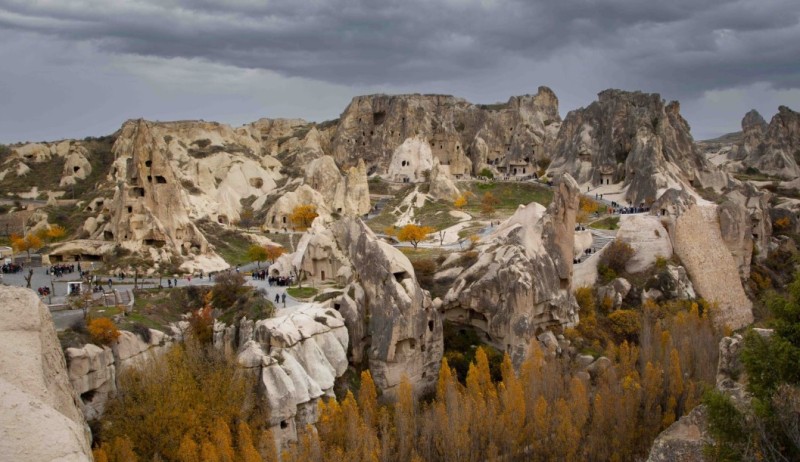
{"x": 605, "y": 273}
{"x": 625, "y": 323}
{"x": 103, "y": 331}
{"x": 487, "y": 173}
{"x": 228, "y": 287}
{"x": 616, "y": 255}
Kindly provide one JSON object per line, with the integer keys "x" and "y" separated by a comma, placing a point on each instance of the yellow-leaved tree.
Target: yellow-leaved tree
{"x": 303, "y": 215}
{"x": 414, "y": 233}
{"x": 460, "y": 201}
{"x": 26, "y": 244}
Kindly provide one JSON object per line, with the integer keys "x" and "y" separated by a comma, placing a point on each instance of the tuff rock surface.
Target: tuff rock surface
{"x": 40, "y": 418}
{"x": 520, "y": 283}
{"x": 635, "y": 139}
{"x": 771, "y": 149}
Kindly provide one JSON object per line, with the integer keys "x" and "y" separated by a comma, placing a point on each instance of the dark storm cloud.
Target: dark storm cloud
{"x": 307, "y": 58}
{"x": 689, "y": 44}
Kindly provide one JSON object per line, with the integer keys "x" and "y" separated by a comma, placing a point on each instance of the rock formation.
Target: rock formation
{"x": 296, "y": 359}
{"x": 648, "y": 238}
{"x": 632, "y": 138}
{"x": 699, "y": 244}
{"x": 771, "y": 149}
{"x": 150, "y": 210}
{"x": 462, "y": 136}
{"x": 391, "y": 321}
{"x": 40, "y": 418}
{"x": 520, "y": 283}
{"x": 442, "y": 185}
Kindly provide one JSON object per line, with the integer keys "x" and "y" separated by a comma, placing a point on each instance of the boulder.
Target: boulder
{"x": 442, "y": 186}
{"x": 92, "y": 374}
{"x": 616, "y": 291}
{"x": 684, "y": 440}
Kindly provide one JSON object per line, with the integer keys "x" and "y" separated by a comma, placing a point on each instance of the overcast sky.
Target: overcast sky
{"x": 75, "y": 68}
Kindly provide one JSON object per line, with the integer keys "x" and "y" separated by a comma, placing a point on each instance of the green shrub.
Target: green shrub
{"x": 616, "y": 255}
{"x": 625, "y": 323}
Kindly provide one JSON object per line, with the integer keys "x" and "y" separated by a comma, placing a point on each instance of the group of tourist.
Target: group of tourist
{"x": 60, "y": 270}
{"x": 9, "y": 268}
{"x": 260, "y": 275}
{"x": 280, "y": 281}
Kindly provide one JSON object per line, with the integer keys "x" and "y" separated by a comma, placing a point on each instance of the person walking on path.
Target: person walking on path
{"x": 283, "y": 298}
{"x": 277, "y": 298}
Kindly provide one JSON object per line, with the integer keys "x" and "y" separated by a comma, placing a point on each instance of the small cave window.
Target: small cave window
{"x": 161, "y": 180}
{"x": 137, "y": 192}
{"x": 339, "y": 209}
{"x": 149, "y": 178}
{"x": 130, "y": 209}
{"x": 430, "y": 326}
{"x": 75, "y": 169}
{"x": 108, "y": 235}
{"x": 155, "y": 242}
{"x": 322, "y": 275}
{"x": 284, "y": 424}
{"x": 400, "y": 275}
{"x": 148, "y": 163}
{"x": 87, "y": 396}
{"x": 378, "y": 117}
{"x": 284, "y": 220}
{"x": 337, "y": 307}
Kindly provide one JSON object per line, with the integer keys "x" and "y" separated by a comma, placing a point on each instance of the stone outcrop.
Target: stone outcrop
{"x": 648, "y": 238}
{"x": 632, "y": 138}
{"x": 442, "y": 185}
{"x": 745, "y": 225}
{"x": 296, "y": 358}
{"x": 771, "y": 149}
{"x": 615, "y": 291}
{"x": 684, "y": 440}
{"x": 520, "y": 283}
{"x": 714, "y": 272}
{"x": 462, "y": 136}
{"x": 93, "y": 370}
{"x": 671, "y": 283}
{"x": 40, "y": 419}
{"x": 392, "y": 324}
{"x": 344, "y": 194}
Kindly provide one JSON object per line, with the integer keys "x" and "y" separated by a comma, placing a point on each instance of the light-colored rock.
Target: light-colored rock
{"x": 616, "y": 291}
{"x": 410, "y": 161}
{"x": 520, "y": 283}
{"x": 442, "y": 186}
{"x": 92, "y": 374}
{"x": 648, "y": 238}
{"x": 713, "y": 271}
{"x": 40, "y": 419}
{"x": 684, "y": 440}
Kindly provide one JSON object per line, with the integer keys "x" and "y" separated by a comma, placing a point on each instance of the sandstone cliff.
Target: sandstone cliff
{"x": 40, "y": 418}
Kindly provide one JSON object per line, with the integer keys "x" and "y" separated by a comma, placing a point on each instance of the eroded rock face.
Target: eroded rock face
{"x": 40, "y": 419}
{"x": 295, "y": 358}
{"x": 150, "y": 210}
{"x": 633, "y": 138}
{"x": 772, "y": 149}
{"x": 343, "y": 194}
{"x": 520, "y": 283}
{"x": 462, "y": 136}
{"x": 442, "y": 185}
{"x": 391, "y": 320}
{"x": 684, "y": 440}
{"x": 699, "y": 244}
{"x": 648, "y": 238}
{"x": 745, "y": 224}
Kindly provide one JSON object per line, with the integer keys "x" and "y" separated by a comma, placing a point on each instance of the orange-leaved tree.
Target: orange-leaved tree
{"x": 103, "y": 331}
{"x": 303, "y": 215}
{"x": 26, "y": 244}
{"x": 414, "y": 233}
{"x": 274, "y": 252}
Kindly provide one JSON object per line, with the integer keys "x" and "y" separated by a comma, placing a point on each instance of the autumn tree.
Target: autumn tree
{"x": 302, "y": 216}
{"x": 55, "y": 232}
{"x": 460, "y": 201}
{"x": 274, "y": 252}
{"x": 257, "y": 253}
{"x": 488, "y": 203}
{"x": 103, "y": 331}
{"x": 414, "y": 233}
{"x": 26, "y": 244}
{"x": 586, "y": 207}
